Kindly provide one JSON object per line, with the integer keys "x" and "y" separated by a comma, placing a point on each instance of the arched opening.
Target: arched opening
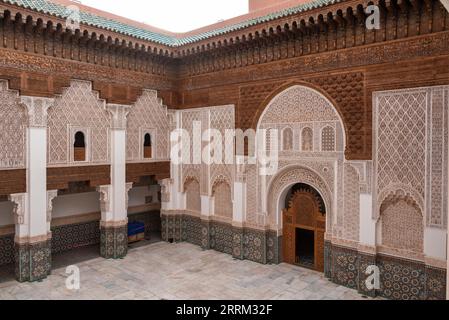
{"x": 75, "y": 217}
{"x": 401, "y": 225}
{"x": 147, "y": 147}
{"x": 79, "y": 147}
{"x": 287, "y": 139}
{"x": 307, "y": 139}
{"x": 304, "y": 225}
{"x": 144, "y": 212}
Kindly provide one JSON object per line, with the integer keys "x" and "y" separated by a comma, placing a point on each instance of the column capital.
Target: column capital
{"x": 37, "y": 108}
{"x": 19, "y": 201}
{"x": 165, "y": 189}
{"x": 51, "y": 195}
{"x": 128, "y": 188}
{"x": 119, "y": 113}
{"x": 105, "y": 198}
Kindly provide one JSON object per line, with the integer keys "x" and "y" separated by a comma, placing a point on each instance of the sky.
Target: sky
{"x": 173, "y": 15}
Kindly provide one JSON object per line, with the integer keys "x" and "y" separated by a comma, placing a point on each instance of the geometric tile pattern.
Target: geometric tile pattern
{"x": 32, "y": 261}
{"x": 114, "y": 242}
{"x": 68, "y": 237}
{"x": 400, "y": 279}
{"x": 6, "y": 250}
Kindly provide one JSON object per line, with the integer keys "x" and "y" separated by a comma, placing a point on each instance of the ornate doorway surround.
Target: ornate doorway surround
{"x": 304, "y": 226}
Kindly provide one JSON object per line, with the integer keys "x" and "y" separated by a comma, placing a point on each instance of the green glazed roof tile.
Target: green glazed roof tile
{"x": 61, "y": 11}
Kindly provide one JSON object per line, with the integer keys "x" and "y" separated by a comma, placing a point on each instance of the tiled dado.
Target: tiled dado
{"x": 6, "y": 250}
{"x": 113, "y": 241}
{"x": 72, "y": 236}
{"x": 241, "y": 243}
{"x": 400, "y": 279}
{"x": 64, "y": 238}
{"x": 33, "y": 261}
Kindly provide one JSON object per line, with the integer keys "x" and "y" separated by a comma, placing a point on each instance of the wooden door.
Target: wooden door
{"x": 304, "y": 213}
{"x": 288, "y": 238}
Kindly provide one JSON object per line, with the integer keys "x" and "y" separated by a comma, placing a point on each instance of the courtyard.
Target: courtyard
{"x": 163, "y": 271}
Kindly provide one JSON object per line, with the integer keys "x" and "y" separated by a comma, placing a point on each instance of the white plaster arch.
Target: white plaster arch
{"x": 312, "y": 98}
{"x": 282, "y": 182}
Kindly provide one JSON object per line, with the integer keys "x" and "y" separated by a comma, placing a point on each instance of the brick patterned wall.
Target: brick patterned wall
{"x": 59, "y": 178}
{"x": 12, "y": 181}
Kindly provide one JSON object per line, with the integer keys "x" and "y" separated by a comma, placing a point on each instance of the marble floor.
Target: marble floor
{"x": 180, "y": 271}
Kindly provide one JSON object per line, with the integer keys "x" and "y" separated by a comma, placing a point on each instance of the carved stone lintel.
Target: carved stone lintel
{"x": 37, "y": 110}
{"x": 119, "y": 113}
{"x": 51, "y": 195}
{"x": 19, "y": 201}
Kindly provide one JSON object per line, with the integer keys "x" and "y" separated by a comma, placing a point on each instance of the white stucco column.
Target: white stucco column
{"x": 114, "y": 197}
{"x": 367, "y": 223}
{"x": 239, "y": 203}
{"x": 119, "y": 189}
{"x": 32, "y": 229}
{"x": 207, "y": 206}
{"x": 37, "y": 166}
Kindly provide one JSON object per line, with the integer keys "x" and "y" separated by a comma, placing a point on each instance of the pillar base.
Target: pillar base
{"x": 32, "y": 261}
{"x": 114, "y": 241}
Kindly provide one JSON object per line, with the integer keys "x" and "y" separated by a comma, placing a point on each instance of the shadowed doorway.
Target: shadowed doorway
{"x": 304, "y": 221}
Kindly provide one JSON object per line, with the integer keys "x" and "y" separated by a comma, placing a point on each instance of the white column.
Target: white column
{"x": 37, "y": 165}
{"x": 239, "y": 203}
{"x": 33, "y": 252}
{"x": 207, "y": 207}
{"x": 367, "y": 223}
{"x": 118, "y": 211}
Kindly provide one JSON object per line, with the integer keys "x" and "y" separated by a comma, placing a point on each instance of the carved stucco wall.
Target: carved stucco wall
{"x": 316, "y": 158}
{"x": 218, "y": 118}
{"x": 13, "y": 122}
{"x": 78, "y": 109}
{"x": 351, "y": 218}
{"x": 193, "y": 198}
{"x": 401, "y": 227}
{"x": 411, "y": 141}
{"x": 147, "y": 115}
{"x": 222, "y": 200}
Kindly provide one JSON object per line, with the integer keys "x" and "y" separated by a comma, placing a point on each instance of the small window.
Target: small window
{"x": 307, "y": 140}
{"x": 79, "y": 147}
{"x": 147, "y": 147}
{"x": 328, "y": 139}
{"x": 287, "y": 139}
